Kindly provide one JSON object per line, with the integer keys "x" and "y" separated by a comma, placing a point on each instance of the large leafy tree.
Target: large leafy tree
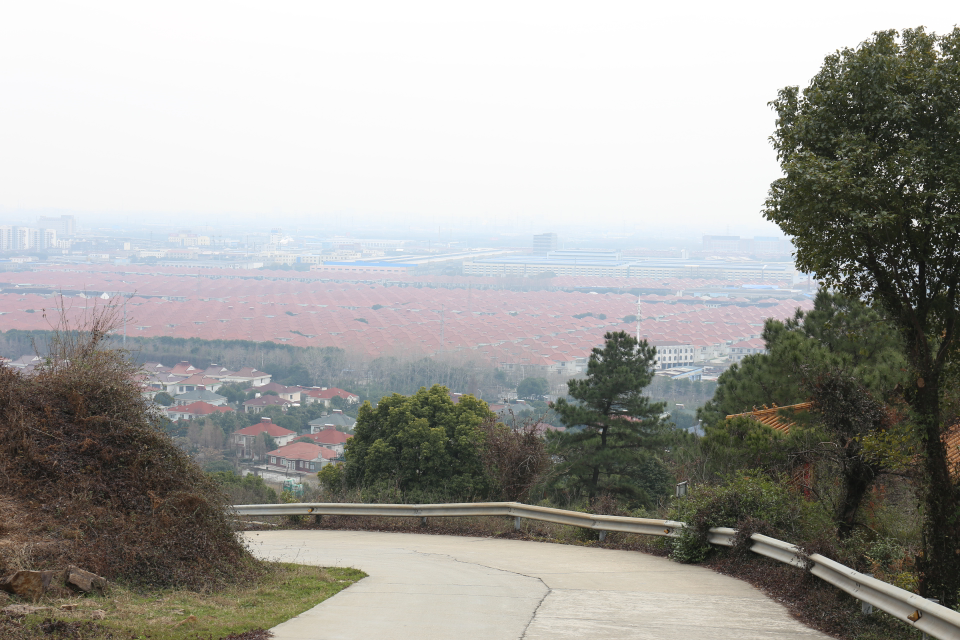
{"x": 612, "y": 426}
{"x": 423, "y": 445}
{"x": 870, "y": 152}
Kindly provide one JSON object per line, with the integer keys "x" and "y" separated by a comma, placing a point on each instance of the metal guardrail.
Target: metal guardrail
{"x": 927, "y": 616}
{"x": 646, "y": 526}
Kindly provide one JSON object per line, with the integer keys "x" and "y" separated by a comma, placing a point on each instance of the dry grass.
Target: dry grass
{"x": 280, "y": 593}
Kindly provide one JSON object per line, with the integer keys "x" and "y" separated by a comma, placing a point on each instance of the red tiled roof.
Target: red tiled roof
{"x": 303, "y": 451}
{"x": 199, "y": 379}
{"x": 270, "y": 428}
{"x": 772, "y": 418}
{"x": 199, "y": 408}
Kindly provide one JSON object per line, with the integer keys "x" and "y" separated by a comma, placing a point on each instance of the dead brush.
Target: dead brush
{"x": 82, "y": 450}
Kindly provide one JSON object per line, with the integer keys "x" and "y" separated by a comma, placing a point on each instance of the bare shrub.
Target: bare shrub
{"x": 515, "y": 459}
{"x": 81, "y": 448}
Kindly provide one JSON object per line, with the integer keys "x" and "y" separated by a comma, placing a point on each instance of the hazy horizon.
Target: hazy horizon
{"x": 531, "y": 116}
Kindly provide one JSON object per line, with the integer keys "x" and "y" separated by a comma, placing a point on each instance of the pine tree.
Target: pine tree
{"x": 612, "y": 427}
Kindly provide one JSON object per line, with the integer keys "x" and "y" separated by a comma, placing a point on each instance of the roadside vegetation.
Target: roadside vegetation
{"x": 89, "y": 479}
{"x": 279, "y": 592}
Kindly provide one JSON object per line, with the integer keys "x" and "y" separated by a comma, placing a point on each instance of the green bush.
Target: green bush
{"x": 751, "y": 501}
{"x": 248, "y": 489}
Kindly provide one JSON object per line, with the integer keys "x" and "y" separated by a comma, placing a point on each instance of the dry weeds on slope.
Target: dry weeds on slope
{"x": 87, "y": 477}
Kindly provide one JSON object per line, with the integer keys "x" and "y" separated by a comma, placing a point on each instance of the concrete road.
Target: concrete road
{"x": 424, "y": 587}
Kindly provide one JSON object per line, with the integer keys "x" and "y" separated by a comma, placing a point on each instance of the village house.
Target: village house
{"x": 287, "y": 393}
{"x": 326, "y": 394}
{"x": 201, "y": 394}
{"x": 258, "y": 404}
{"x": 245, "y": 439}
{"x": 330, "y": 438}
{"x": 335, "y": 419}
{"x": 302, "y": 457}
{"x": 744, "y": 348}
{"x": 194, "y": 410}
{"x": 184, "y": 368}
{"x": 248, "y": 375}
{"x": 196, "y": 380}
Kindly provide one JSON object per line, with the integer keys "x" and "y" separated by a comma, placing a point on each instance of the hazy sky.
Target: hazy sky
{"x": 627, "y": 114}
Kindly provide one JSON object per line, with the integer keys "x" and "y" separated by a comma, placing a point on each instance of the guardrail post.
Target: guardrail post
{"x": 516, "y": 523}
{"x": 317, "y": 519}
{"x": 934, "y": 601}
{"x": 423, "y": 521}
{"x": 603, "y": 536}
{"x": 866, "y": 608}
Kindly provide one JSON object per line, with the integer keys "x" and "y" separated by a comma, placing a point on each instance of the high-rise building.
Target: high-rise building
{"x": 6, "y": 238}
{"x": 544, "y": 243}
{"x": 21, "y": 238}
{"x": 65, "y": 226}
{"x": 43, "y": 238}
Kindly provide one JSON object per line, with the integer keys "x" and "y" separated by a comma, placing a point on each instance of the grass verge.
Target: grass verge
{"x": 280, "y": 593}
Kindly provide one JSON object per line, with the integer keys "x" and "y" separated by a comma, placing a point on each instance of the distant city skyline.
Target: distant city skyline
{"x": 536, "y": 116}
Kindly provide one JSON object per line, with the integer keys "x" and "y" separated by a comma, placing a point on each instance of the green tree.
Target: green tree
{"x": 533, "y": 388}
{"x": 163, "y": 399}
{"x": 423, "y": 445}
{"x": 248, "y": 489}
{"x": 839, "y": 333}
{"x": 871, "y": 158}
{"x": 847, "y": 359}
{"x": 612, "y": 427}
{"x": 233, "y": 392}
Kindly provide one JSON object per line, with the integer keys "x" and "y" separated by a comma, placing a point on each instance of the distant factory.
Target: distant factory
{"x": 568, "y": 262}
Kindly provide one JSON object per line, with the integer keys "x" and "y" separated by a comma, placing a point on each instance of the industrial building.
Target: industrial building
{"x": 612, "y": 264}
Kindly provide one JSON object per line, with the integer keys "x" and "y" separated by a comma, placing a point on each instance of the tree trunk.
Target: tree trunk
{"x": 857, "y": 481}
{"x": 594, "y": 481}
{"x": 940, "y": 564}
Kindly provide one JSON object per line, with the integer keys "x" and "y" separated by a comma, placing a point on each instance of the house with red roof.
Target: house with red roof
{"x": 330, "y": 438}
{"x": 216, "y": 371}
{"x": 184, "y": 368}
{"x": 326, "y": 394}
{"x": 743, "y": 348}
{"x": 194, "y": 410}
{"x": 258, "y": 404}
{"x": 245, "y": 439}
{"x": 302, "y": 457}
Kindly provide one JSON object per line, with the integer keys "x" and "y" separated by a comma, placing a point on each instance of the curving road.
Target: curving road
{"x": 426, "y": 587}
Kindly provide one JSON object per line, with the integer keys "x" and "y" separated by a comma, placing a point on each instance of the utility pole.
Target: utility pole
{"x": 638, "y": 318}
{"x": 441, "y": 329}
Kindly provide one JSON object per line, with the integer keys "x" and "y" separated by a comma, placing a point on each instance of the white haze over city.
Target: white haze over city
{"x": 624, "y": 115}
